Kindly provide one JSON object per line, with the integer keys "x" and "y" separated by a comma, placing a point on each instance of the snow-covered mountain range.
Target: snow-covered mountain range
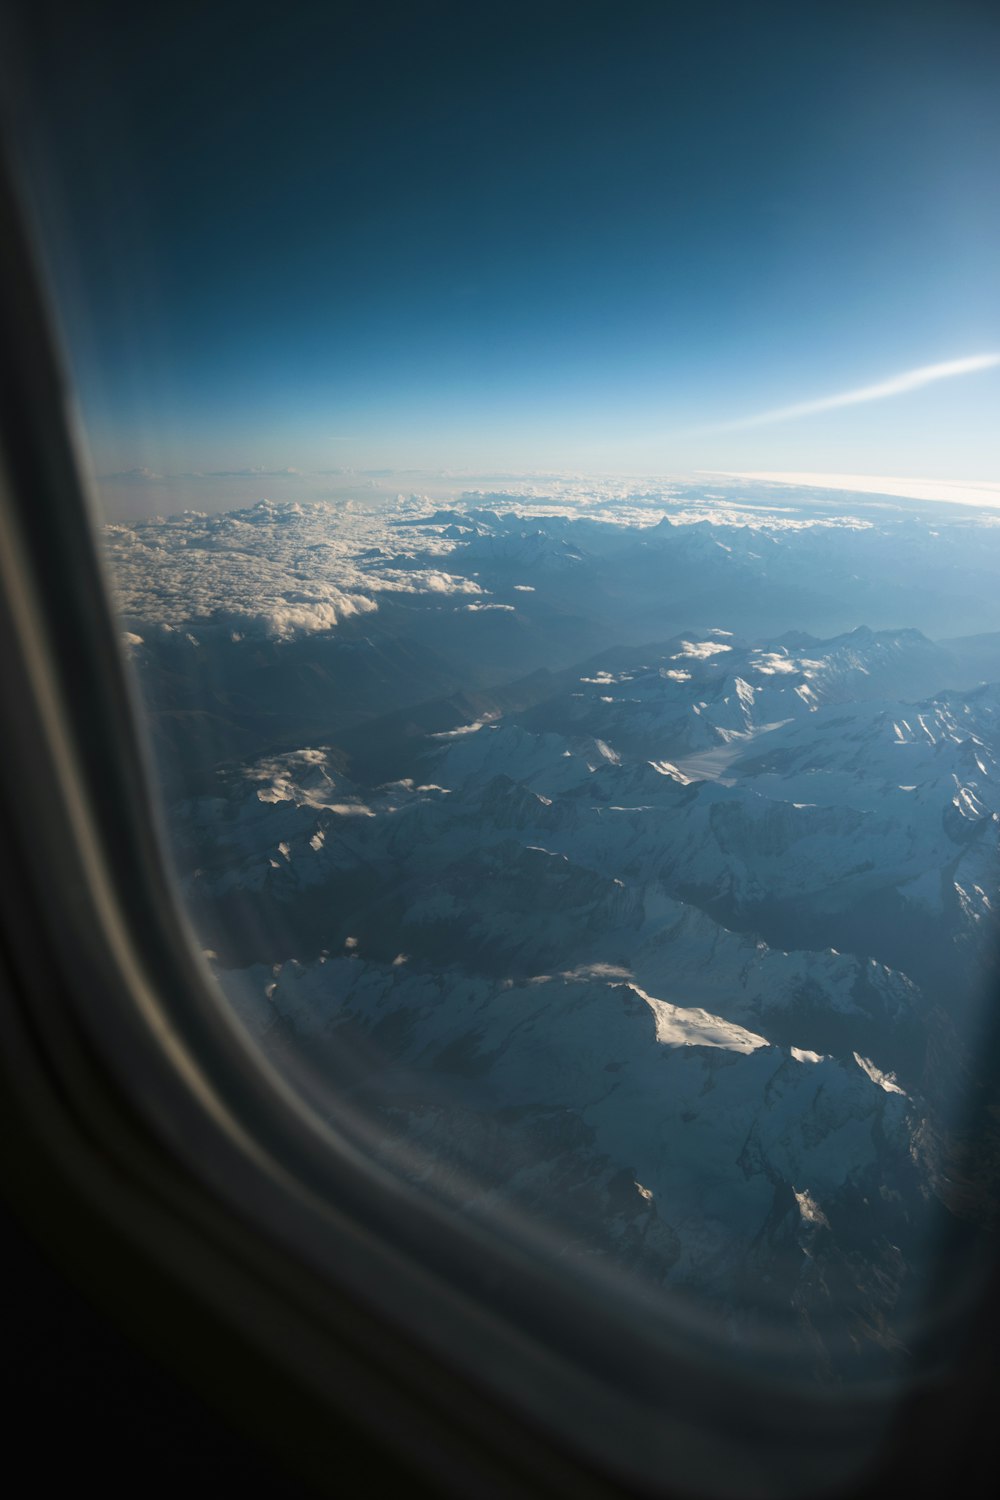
{"x": 678, "y": 952}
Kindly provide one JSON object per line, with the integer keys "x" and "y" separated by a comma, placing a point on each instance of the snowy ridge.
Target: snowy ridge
{"x": 669, "y": 944}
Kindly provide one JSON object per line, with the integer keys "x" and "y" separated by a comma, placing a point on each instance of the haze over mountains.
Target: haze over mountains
{"x": 622, "y": 857}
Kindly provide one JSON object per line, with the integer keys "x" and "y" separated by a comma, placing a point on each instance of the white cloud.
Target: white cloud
{"x": 474, "y": 728}
{"x": 700, "y": 649}
{"x": 273, "y": 570}
{"x": 984, "y": 492}
{"x": 895, "y": 385}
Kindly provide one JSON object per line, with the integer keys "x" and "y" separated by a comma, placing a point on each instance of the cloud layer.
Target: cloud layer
{"x": 272, "y": 570}
{"x": 279, "y": 570}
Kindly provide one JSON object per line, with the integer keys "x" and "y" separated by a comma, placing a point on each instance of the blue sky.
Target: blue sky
{"x": 588, "y": 237}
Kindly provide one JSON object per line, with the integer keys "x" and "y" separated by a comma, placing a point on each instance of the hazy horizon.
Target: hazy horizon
{"x": 142, "y": 493}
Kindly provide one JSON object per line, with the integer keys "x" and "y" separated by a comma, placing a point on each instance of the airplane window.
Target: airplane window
{"x": 545, "y": 465}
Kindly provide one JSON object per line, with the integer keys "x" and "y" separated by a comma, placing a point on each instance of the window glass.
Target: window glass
{"x": 578, "y": 746}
